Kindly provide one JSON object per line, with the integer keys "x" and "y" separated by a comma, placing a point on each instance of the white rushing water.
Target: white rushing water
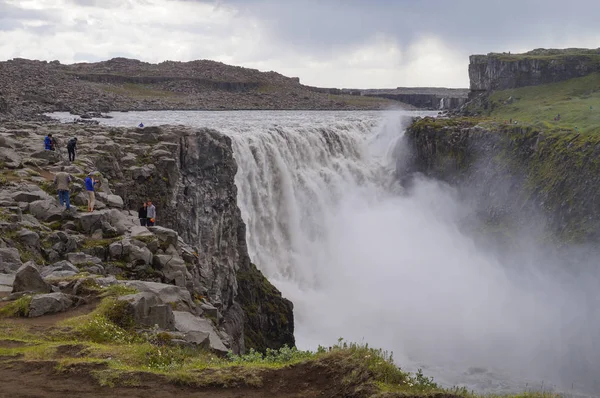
{"x": 362, "y": 260}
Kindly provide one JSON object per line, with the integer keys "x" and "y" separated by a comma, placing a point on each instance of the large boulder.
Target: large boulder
{"x": 60, "y": 269}
{"x": 30, "y": 239}
{"x": 28, "y": 197}
{"x": 46, "y": 210}
{"x": 50, "y": 156}
{"x": 81, "y": 259}
{"x": 51, "y": 303}
{"x": 10, "y": 158}
{"x": 173, "y": 268}
{"x": 179, "y": 297}
{"x": 147, "y": 309}
{"x": 90, "y": 222}
{"x": 165, "y": 235}
{"x": 28, "y": 279}
{"x": 6, "y": 282}
{"x": 10, "y": 260}
{"x": 111, "y": 200}
{"x": 186, "y": 322}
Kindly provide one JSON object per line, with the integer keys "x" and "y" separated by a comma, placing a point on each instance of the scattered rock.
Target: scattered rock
{"x": 46, "y": 210}
{"x": 10, "y": 260}
{"x": 147, "y": 309}
{"x": 51, "y": 303}
{"x": 179, "y": 297}
{"x": 28, "y": 279}
{"x": 186, "y": 322}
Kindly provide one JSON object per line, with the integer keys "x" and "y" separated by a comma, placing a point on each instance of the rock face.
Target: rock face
{"x": 505, "y": 71}
{"x": 424, "y": 97}
{"x": 510, "y": 174}
{"x": 51, "y": 303}
{"x": 28, "y": 279}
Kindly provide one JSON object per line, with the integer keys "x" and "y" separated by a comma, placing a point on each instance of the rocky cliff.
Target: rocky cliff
{"x": 511, "y": 174}
{"x": 423, "y": 97}
{"x": 505, "y": 71}
{"x": 189, "y": 175}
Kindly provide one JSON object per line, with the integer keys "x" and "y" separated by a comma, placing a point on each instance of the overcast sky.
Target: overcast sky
{"x": 332, "y": 43}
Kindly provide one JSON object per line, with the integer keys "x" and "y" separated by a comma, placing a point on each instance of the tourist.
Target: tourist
{"x": 49, "y": 143}
{"x": 141, "y": 125}
{"x": 151, "y": 214}
{"x": 143, "y": 215}
{"x": 90, "y": 182}
{"x": 62, "y": 180}
{"x": 71, "y": 146}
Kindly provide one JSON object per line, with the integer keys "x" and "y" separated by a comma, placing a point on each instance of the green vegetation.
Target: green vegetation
{"x": 90, "y": 243}
{"x": 576, "y": 100}
{"x": 135, "y": 90}
{"x": 17, "y": 308}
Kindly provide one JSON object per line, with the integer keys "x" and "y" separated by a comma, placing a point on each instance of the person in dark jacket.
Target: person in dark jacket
{"x": 71, "y": 146}
{"x": 143, "y": 215}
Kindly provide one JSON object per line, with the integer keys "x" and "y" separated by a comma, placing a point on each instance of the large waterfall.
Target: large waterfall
{"x": 363, "y": 259}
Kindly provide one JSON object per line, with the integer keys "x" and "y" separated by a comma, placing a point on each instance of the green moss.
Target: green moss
{"x": 17, "y": 308}
{"x": 90, "y": 243}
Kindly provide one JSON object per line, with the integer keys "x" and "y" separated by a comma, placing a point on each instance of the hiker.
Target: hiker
{"x": 143, "y": 215}
{"x": 151, "y": 214}
{"x": 71, "y": 146}
{"x": 141, "y": 125}
{"x": 90, "y": 182}
{"x": 49, "y": 143}
{"x": 62, "y": 180}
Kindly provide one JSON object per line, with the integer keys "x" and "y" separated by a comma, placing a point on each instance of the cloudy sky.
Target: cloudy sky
{"x": 333, "y": 43}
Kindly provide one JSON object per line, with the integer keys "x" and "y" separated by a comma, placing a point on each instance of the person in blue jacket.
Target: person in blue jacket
{"x": 49, "y": 143}
{"x": 90, "y": 182}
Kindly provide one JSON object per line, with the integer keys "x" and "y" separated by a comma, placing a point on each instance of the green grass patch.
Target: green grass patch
{"x": 16, "y": 308}
{"x": 576, "y": 100}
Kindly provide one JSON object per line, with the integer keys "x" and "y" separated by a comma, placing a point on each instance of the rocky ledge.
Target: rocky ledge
{"x": 191, "y": 273}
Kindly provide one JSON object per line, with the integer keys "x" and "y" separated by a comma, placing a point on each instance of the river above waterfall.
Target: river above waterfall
{"x": 363, "y": 259}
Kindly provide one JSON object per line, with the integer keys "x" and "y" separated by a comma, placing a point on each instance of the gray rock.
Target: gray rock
{"x": 60, "y": 269}
{"x": 82, "y": 259}
{"x": 179, "y": 297}
{"x": 138, "y": 230}
{"x": 211, "y": 311}
{"x": 91, "y": 222}
{"x": 172, "y": 267}
{"x": 50, "y": 156}
{"x": 165, "y": 235}
{"x": 51, "y": 303}
{"x": 28, "y": 279}
{"x": 149, "y": 310}
{"x": 29, "y": 197}
{"x": 10, "y": 260}
{"x": 46, "y": 210}
{"x": 111, "y": 200}
{"x": 142, "y": 254}
{"x": 6, "y": 282}
{"x": 10, "y": 158}
{"x": 120, "y": 249}
{"x": 29, "y": 238}
{"x": 186, "y": 322}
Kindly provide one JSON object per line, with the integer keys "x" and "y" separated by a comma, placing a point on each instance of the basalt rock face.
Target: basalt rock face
{"x": 189, "y": 175}
{"x": 512, "y": 174}
{"x": 504, "y": 71}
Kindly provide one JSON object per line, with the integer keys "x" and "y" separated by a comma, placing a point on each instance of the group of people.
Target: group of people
{"x": 147, "y": 214}
{"x": 50, "y": 144}
{"x": 63, "y": 180}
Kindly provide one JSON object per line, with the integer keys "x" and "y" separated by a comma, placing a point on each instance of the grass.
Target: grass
{"x": 135, "y": 90}
{"x": 576, "y": 100}
{"x": 17, "y": 308}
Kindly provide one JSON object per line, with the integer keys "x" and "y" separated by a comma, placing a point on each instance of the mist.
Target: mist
{"x": 365, "y": 260}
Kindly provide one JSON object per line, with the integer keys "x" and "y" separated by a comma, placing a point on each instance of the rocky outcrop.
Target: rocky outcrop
{"x": 510, "y": 174}
{"x": 194, "y": 260}
{"x": 424, "y": 97}
{"x": 505, "y": 71}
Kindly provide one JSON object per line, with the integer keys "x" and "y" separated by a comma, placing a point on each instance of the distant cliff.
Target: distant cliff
{"x": 505, "y": 71}
{"x": 432, "y": 98}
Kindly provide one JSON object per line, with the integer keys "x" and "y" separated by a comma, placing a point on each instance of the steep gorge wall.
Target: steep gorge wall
{"x": 189, "y": 175}
{"x": 513, "y": 173}
{"x": 504, "y": 71}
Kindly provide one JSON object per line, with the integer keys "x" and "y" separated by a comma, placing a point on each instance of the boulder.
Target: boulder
{"x": 10, "y": 158}
{"x": 172, "y": 267}
{"x": 28, "y": 197}
{"x": 50, "y": 156}
{"x": 140, "y": 254}
{"x": 60, "y": 269}
{"x": 179, "y": 297}
{"x": 90, "y": 222}
{"x": 186, "y": 322}
{"x": 148, "y": 310}
{"x": 46, "y": 210}
{"x": 51, "y": 303}
{"x": 165, "y": 235}
{"x": 140, "y": 231}
{"x": 111, "y": 200}
{"x": 28, "y": 279}
{"x": 211, "y": 311}
{"x": 29, "y": 238}
{"x": 82, "y": 259}
{"x": 10, "y": 260}
{"x": 119, "y": 250}
{"x": 122, "y": 222}
{"x": 6, "y": 282}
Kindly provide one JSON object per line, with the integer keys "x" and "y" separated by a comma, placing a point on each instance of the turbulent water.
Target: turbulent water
{"x": 363, "y": 260}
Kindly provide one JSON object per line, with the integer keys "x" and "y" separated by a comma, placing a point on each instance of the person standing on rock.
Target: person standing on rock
{"x": 49, "y": 143}
{"x": 151, "y": 214}
{"x": 71, "y": 146}
{"x": 90, "y": 182}
{"x": 62, "y": 180}
{"x": 143, "y": 215}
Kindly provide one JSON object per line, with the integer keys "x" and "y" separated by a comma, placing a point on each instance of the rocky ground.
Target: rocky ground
{"x": 29, "y": 88}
